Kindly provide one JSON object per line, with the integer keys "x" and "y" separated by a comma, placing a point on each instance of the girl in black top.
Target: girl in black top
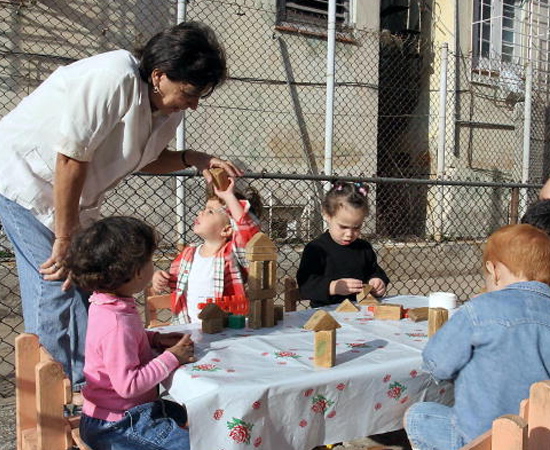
{"x": 337, "y": 264}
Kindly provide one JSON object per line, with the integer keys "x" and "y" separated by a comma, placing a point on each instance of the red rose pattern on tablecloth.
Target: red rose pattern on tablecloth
{"x": 331, "y": 414}
{"x": 341, "y": 386}
{"x": 303, "y": 423}
{"x": 286, "y": 354}
{"x": 308, "y": 392}
{"x": 205, "y": 367}
{"x": 230, "y": 370}
{"x": 377, "y": 406}
{"x": 387, "y": 378}
{"x": 395, "y": 390}
{"x": 417, "y": 335}
{"x": 413, "y": 374}
{"x": 218, "y": 414}
{"x": 265, "y": 353}
{"x": 256, "y": 404}
{"x": 404, "y": 399}
{"x": 320, "y": 404}
{"x": 239, "y": 430}
{"x": 442, "y": 391}
{"x": 215, "y": 359}
{"x": 257, "y": 442}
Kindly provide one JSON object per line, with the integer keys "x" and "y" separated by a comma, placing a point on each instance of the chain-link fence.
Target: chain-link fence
{"x": 270, "y": 118}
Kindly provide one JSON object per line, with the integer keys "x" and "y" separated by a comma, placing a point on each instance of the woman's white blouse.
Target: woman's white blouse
{"x": 96, "y": 110}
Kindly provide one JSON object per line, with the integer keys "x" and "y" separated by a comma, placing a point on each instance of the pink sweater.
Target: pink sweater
{"x": 120, "y": 368}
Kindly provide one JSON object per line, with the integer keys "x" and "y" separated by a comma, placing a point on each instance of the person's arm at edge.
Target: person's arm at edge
{"x": 544, "y": 193}
{"x": 69, "y": 178}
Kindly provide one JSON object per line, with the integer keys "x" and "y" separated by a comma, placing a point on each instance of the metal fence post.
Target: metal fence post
{"x": 180, "y": 146}
{"x": 526, "y": 134}
{"x": 329, "y": 114}
{"x": 439, "y": 207}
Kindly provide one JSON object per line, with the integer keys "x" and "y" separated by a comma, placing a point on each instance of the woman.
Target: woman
{"x": 84, "y": 129}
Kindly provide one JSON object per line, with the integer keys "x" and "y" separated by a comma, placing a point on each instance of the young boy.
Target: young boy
{"x": 218, "y": 266}
{"x": 494, "y": 347}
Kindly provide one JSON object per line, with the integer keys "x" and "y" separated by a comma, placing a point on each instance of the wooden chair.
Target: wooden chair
{"x": 153, "y": 304}
{"x": 530, "y": 430}
{"x": 42, "y": 390}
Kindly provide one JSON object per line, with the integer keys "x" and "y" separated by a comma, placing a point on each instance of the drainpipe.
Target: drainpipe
{"x": 181, "y": 12}
{"x": 329, "y": 115}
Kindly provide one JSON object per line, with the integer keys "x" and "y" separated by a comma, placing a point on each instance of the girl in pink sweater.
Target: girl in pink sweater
{"x": 122, "y": 409}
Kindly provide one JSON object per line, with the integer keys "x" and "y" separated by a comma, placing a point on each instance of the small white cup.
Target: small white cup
{"x": 445, "y": 300}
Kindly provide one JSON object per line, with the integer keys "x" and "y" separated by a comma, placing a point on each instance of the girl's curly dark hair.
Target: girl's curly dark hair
{"x": 109, "y": 253}
{"x": 343, "y": 193}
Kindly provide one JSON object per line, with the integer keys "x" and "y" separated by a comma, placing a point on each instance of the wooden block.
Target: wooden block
{"x": 220, "y": 178}
{"x": 510, "y": 433}
{"x": 539, "y": 416}
{"x": 261, "y": 248}
{"x": 211, "y": 326}
{"x": 369, "y": 300}
{"x": 292, "y": 294}
{"x": 524, "y": 408}
{"x": 418, "y": 314}
{"x": 346, "y": 306}
{"x": 388, "y": 311}
{"x": 255, "y": 314}
{"x": 325, "y": 348}
{"x": 436, "y": 319}
{"x": 364, "y": 293}
{"x": 321, "y": 321}
{"x": 268, "y": 313}
{"x": 279, "y": 313}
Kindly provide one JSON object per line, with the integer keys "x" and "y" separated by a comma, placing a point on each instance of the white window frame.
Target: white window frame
{"x": 313, "y": 20}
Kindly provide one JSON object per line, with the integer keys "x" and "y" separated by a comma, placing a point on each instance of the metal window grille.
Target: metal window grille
{"x": 312, "y": 12}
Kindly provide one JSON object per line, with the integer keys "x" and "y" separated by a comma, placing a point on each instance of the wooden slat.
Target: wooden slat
{"x": 539, "y": 416}
{"x": 524, "y": 408}
{"x": 26, "y": 358}
{"x": 509, "y": 433}
{"x": 292, "y": 294}
{"x": 50, "y": 392}
{"x": 482, "y": 442}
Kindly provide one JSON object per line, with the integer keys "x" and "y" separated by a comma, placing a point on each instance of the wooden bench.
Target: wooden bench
{"x": 530, "y": 430}
{"x": 42, "y": 391}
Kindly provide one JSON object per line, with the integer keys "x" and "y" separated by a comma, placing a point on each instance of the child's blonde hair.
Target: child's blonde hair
{"x": 523, "y": 249}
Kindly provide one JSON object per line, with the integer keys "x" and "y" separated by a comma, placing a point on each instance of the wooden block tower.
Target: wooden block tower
{"x": 261, "y": 254}
{"x": 324, "y": 326}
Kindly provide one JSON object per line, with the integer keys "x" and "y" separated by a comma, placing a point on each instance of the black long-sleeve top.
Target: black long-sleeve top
{"x": 323, "y": 261}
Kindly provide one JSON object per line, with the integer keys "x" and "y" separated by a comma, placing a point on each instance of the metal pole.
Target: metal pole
{"x": 181, "y": 12}
{"x": 329, "y": 115}
{"x": 526, "y": 135}
{"x": 442, "y": 112}
{"x": 442, "y": 137}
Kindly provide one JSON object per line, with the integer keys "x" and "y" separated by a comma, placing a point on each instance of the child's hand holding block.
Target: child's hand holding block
{"x": 219, "y": 178}
{"x": 365, "y": 293}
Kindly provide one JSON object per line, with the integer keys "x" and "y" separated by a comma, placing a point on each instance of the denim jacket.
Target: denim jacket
{"x": 494, "y": 348}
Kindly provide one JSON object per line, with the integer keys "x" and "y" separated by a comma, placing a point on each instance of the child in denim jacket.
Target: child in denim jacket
{"x": 494, "y": 347}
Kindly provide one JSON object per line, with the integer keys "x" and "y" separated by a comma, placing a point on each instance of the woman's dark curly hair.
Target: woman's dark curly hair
{"x": 109, "y": 253}
{"x": 343, "y": 193}
{"x": 189, "y": 52}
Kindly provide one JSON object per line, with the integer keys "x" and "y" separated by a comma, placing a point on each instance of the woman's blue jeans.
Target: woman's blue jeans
{"x": 151, "y": 426}
{"x": 431, "y": 426}
{"x": 58, "y": 318}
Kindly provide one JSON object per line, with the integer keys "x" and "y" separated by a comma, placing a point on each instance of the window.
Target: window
{"x": 312, "y": 12}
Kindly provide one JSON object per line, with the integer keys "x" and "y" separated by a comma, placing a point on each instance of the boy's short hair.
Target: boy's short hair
{"x": 523, "y": 249}
{"x": 538, "y": 215}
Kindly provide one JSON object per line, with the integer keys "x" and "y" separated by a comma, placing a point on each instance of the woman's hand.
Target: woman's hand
{"x": 378, "y": 286}
{"x": 345, "y": 286}
{"x": 52, "y": 269}
{"x": 204, "y": 161}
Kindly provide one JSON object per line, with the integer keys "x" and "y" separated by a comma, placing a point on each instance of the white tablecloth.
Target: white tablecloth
{"x": 259, "y": 389}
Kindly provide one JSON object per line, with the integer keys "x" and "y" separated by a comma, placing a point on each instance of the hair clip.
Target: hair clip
{"x": 362, "y": 188}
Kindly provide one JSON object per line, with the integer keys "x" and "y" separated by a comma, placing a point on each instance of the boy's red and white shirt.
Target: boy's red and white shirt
{"x": 230, "y": 266}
